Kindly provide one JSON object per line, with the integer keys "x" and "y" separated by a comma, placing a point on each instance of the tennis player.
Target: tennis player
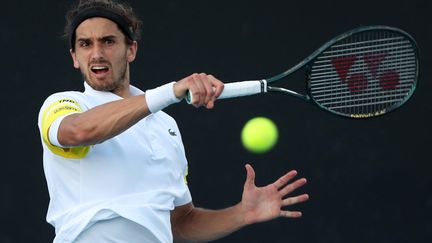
{"x": 114, "y": 162}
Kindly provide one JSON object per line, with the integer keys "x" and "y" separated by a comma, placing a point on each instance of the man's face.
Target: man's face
{"x": 102, "y": 54}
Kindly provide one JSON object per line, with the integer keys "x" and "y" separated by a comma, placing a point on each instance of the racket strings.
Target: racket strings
{"x": 365, "y": 74}
{"x": 330, "y": 74}
{"x": 366, "y": 49}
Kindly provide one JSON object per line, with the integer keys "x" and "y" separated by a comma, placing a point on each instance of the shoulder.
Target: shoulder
{"x": 68, "y": 101}
{"x": 73, "y": 97}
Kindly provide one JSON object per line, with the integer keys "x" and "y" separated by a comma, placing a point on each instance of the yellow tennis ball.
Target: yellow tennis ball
{"x": 259, "y": 135}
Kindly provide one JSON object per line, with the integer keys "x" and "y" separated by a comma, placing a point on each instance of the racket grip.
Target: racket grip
{"x": 238, "y": 89}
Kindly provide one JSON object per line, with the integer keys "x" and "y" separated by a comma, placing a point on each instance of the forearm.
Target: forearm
{"x": 102, "y": 122}
{"x": 201, "y": 225}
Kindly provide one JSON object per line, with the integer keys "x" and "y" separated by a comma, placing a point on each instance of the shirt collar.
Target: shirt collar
{"x": 109, "y": 95}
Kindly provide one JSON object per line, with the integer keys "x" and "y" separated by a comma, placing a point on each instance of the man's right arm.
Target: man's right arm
{"x": 108, "y": 120}
{"x": 102, "y": 122}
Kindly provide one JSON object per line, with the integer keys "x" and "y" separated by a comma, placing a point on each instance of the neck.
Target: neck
{"x": 123, "y": 89}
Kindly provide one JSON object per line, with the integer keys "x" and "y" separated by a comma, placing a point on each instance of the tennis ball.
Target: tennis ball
{"x": 259, "y": 135}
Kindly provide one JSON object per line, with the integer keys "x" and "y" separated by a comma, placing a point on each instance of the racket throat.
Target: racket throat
{"x": 287, "y": 91}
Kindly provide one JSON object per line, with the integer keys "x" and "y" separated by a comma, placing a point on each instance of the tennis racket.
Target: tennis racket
{"x": 365, "y": 72}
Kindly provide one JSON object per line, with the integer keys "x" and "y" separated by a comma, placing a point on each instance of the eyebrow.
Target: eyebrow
{"x": 99, "y": 39}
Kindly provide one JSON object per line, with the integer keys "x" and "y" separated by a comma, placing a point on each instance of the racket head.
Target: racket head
{"x": 365, "y": 72}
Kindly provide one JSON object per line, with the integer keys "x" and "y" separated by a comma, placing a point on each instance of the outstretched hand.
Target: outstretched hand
{"x": 266, "y": 203}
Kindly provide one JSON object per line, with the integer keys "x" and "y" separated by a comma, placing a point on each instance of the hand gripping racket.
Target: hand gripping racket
{"x": 365, "y": 72}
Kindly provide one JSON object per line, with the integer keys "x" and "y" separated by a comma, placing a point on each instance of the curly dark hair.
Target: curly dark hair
{"x": 121, "y": 8}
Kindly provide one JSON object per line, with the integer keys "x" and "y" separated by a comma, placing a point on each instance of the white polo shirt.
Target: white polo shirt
{"x": 139, "y": 175}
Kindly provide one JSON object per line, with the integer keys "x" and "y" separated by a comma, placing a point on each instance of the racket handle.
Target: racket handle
{"x": 238, "y": 89}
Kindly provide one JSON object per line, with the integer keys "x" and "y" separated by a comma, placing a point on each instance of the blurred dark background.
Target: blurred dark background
{"x": 369, "y": 180}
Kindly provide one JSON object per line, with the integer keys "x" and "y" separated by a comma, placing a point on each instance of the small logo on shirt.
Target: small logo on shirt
{"x": 172, "y": 133}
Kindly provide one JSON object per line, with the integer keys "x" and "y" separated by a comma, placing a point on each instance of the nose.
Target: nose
{"x": 97, "y": 52}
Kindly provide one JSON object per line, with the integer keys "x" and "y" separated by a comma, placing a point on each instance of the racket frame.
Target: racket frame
{"x": 309, "y": 61}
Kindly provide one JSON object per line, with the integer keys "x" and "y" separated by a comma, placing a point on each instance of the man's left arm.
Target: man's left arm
{"x": 258, "y": 204}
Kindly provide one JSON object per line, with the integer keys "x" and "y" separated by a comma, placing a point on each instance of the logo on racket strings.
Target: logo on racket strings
{"x": 357, "y": 78}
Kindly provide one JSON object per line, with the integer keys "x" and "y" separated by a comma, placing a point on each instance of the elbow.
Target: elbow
{"x": 75, "y": 135}
{"x": 82, "y": 137}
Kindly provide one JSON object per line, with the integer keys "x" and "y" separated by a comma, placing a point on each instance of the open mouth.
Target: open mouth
{"x": 99, "y": 69}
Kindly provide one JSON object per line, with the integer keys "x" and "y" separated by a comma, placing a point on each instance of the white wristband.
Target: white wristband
{"x": 161, "y": 97}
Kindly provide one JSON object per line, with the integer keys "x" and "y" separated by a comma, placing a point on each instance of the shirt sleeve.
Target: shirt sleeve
{"x": 184, "y": 198}
{"x": 54, "y": 110}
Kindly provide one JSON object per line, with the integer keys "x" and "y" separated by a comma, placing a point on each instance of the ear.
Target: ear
{"x": 74, "y": 59}
{"x": 132, "y": 50}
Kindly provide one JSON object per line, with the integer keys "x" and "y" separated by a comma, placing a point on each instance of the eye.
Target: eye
{"x": 83, "y": 43}
{"x": 109, "y": 41}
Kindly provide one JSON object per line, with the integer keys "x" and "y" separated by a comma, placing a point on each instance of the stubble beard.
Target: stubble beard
{"x": 107, "y": 85}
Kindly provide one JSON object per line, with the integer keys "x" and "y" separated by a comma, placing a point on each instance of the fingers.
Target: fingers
{"x": 204, "y": 89}
{"x": 198, "y": 89}
{"x": 291, "y": 214}
{"x": 250, "y": 176}
{"x": 291, "y": 201}
{"x": 285, "y": 178}
{"x": 294, "y": 200}
{"x": 292, "y": 186}
{"x": 218, "y": 86}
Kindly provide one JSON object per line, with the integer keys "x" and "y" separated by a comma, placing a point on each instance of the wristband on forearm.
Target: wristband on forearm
{"x": 161, "y": 97}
